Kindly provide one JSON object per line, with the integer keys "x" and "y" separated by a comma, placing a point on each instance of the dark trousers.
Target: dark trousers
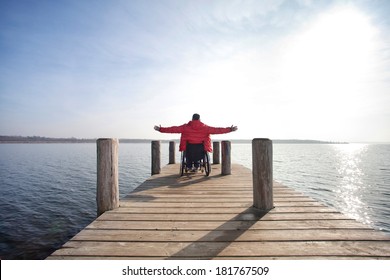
{"x": 194, "y": 153}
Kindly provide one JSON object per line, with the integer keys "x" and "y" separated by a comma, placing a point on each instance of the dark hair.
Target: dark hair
{"x": 195, "y": 117}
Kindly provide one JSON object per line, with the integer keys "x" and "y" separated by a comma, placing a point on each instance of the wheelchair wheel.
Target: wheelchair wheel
{"x": 182, "y": 163}
{"x": 206, "y": 162}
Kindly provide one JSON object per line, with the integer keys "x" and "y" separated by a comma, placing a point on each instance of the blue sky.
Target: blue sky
{"x": 277, "y": 69}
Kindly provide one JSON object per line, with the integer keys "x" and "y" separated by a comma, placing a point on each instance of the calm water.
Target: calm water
{"x": 48, "y": 191}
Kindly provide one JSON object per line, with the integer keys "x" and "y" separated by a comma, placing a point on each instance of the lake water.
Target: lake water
{"x": 48, "y": 191}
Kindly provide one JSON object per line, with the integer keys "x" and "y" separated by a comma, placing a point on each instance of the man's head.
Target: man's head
{"x": 195, "y": 117}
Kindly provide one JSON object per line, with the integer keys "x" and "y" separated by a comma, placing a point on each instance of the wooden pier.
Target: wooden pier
{"x": 199, "y": 217}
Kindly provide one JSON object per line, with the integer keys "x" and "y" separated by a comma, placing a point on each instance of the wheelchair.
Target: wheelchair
{"x": 200, "y": 159}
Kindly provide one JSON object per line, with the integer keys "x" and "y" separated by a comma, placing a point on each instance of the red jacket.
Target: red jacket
{"x": 195, "y": 132}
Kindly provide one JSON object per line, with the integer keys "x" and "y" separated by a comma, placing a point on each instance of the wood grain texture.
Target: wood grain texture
{"x": 199, "y": 217}
{"x": 107, "y": 193}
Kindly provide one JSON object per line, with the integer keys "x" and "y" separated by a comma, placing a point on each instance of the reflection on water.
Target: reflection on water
{"x": 353, "y": 178}
{"x": 350, "y": 188}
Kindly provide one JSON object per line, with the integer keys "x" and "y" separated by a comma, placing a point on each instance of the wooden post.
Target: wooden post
{"x": 262, "y": 174}
{"x": 156, "y": 157}
{"x": 172, "y": 152}
{"x": 107, "y": 194}
{"x": 226, "y": 158}
{"x": 216, "y": 152}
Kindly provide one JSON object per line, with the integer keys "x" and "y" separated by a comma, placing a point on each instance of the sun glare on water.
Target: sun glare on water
{"x": 351, "y": 190}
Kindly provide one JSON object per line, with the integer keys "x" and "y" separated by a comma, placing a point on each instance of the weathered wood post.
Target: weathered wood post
{"x": 107, "y": 194}
{"x": 262, "y": 173}
{"x": 226, "y": 158}
{"x": 156, "y": 157}
{"x": 216, "y": 155}
{"x": 172, "y": 152}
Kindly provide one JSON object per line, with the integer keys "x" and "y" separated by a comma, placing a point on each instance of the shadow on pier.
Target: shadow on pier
{"x": 221, "y": 237}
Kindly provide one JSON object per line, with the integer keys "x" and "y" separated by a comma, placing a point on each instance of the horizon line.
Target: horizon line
{"x": 44, "y": 139}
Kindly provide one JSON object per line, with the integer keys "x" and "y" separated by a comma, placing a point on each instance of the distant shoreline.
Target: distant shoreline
{"x": 48, "y": 140}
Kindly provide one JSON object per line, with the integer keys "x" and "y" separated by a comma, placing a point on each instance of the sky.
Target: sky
{"x": 278, "y": 69}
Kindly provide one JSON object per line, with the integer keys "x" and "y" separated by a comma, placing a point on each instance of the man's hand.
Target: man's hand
{"x": 157, "y": 127}
{"x": 233, "y": 128}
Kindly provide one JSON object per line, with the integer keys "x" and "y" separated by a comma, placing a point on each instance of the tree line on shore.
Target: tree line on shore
{"x": 40, "y": 139}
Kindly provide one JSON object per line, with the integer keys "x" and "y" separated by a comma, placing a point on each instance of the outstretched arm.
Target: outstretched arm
{"x": 171, "y": 129}
{"x": 221, "y": 130}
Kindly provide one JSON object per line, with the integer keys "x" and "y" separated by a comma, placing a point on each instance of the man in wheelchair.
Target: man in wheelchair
{"x": 195, "y": 139}
{"x": 194, "y": 154}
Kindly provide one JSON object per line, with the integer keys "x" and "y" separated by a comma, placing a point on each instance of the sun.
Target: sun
{"x": 334, "y": 53}
{"x": 326, "y": 69}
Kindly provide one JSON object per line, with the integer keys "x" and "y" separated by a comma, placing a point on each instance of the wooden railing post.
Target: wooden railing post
{"x": 172, "y": 152}
{"x": 156, "y": 157}
{"x": 107, "y": 193}
{"x": 226, "y": 158}
{"x": 216, "y": 155}
{"x": 262, "y": 174}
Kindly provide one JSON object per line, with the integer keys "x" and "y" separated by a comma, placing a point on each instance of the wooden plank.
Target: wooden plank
{"x": 226, "y": 225}
{"x": 233, "y": 249}
{"x": 201, "y": 204}
{"x": 214, "y": 210}
{"x": 219, "y": 217}
{"x": 207, "y": 198}
{"x": 228, "y": 196}
{"x": 227, "y": 235}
